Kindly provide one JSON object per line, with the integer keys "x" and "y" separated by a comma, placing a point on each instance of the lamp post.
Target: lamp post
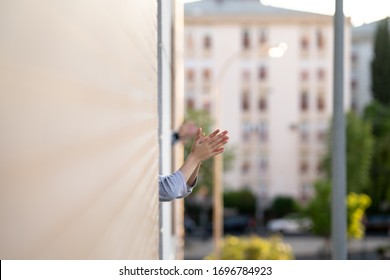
{"x": 218, "y": 160}
{"x": 273, "y": 52}
{"x": 339, "y": 215}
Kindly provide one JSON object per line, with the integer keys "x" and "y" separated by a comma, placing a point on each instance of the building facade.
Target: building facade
{"x": 269, "y": 73}
{"x": 89, "y": 93}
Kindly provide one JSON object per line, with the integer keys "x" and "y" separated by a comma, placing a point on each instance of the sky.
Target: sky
{"x": 360, "y": 11}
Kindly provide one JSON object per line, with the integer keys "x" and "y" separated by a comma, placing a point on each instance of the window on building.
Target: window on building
{"x": 304, "y": 75}
{"x": 304, "y": 131}
{"x": 306, "y": 190}
{"x": 354, "y": 84}
{"x": 354, "y": 104}
{"x": 321, "y": 136}
{"x": 246, "y": 131}
{"x": 190, "y": 75}
{"x": 304, "y": 101}
{"x": 206, "y": 75}
{"x": 262, "y": 104}
{"x": 207, "y": 43}
{"x": 320, "y": 102}
{"x": 304, "y": 167}
{"x": 190, "y": 103}
{"x": 320, "y": 39}
{"x": 321, "y": 74}
{"x": 245, "y": 167}
{"x": 245, "y": 39}
{"x": 262, "y": 36}
{"x": 305, "y": 136}
{"x": 320, "y": 167}
{"x": 262, "y": 75}
{"x": 262, "y": 131}
{"x": 263, "y": 164}
{"x": 246, "y": 76}
{"x": 304, "y": 43}
{"x": 189, "y": 42}
{"x": 245, "y": 103}
{"x": 354, "y": 59}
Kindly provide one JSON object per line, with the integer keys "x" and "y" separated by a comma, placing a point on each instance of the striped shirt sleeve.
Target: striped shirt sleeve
{"x": 174, "y": 186}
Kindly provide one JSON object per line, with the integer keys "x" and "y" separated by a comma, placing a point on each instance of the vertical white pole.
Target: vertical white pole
{"x": 339, "y": 215}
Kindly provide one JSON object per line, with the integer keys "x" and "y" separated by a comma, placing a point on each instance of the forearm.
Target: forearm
{"x": 190, "y": 169}
{"x": 194, "y": 175}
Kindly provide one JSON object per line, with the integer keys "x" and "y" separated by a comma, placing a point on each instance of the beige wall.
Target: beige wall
{"x": 78, "y": 122}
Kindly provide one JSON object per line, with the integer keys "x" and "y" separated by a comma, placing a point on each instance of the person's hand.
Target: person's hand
{"x": 187, "y": 131}
{"x": 205, "y": 147}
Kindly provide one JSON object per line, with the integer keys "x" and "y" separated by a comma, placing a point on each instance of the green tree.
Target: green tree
{"x": 243, "y": 200}
{"x": 359, "y": 146}
{"x": 359, "y": 149}
{"x": 379, "y": 190}
{"x": 319, "y": 210}
{"x": 378, "y": 113}
{"x": 283, "y": 205}
{"x": 380, "y": 65}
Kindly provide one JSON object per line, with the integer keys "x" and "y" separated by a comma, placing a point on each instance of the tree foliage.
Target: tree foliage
{"x": 378, "y": 113}
{"x": 319, "y": 210}
{"x": 380, "y": 65}
{"x": 283, "y": 205}
{"x": 243, "y": 200}
{"x": 379, "y": 189}
{"x": 254, "y": 248}
{"x": 356, "y": 207}
{"x": 359, "y": 150}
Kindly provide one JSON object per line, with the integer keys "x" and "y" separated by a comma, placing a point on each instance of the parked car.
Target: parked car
{"x": 235, "y": 224}
{"x": 189, "y": 225}
{"x": 291, "y": 224}
{"x": 377, "y": 224}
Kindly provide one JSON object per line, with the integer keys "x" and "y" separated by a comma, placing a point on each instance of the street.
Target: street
{"x": 304, "y": 247}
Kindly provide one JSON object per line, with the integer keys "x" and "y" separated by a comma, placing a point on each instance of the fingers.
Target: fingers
{"x": 218, "y": 143}
{"x": 199, "y": 134}
{"x": 221, "y": 141}
{"x": 215, "y": 135}
{"x": 211, "y": 136}
{"x": 219, "y": 138}
{"x": 218, "y": 151}
{"x": 216, "y": 140}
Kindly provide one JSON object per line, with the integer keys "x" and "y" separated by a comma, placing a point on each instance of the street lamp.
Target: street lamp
{"x": 339, "y": 216}
{"x": 218, "y": 160}
{"x": 273, "y": 52}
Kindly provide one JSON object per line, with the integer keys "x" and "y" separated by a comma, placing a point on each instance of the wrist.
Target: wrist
{"x": 192, "y": 157}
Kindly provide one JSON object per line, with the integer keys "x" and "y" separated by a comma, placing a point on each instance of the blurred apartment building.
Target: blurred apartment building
{"x": 269, "y": 73}
{"x": 362, "y": 51}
